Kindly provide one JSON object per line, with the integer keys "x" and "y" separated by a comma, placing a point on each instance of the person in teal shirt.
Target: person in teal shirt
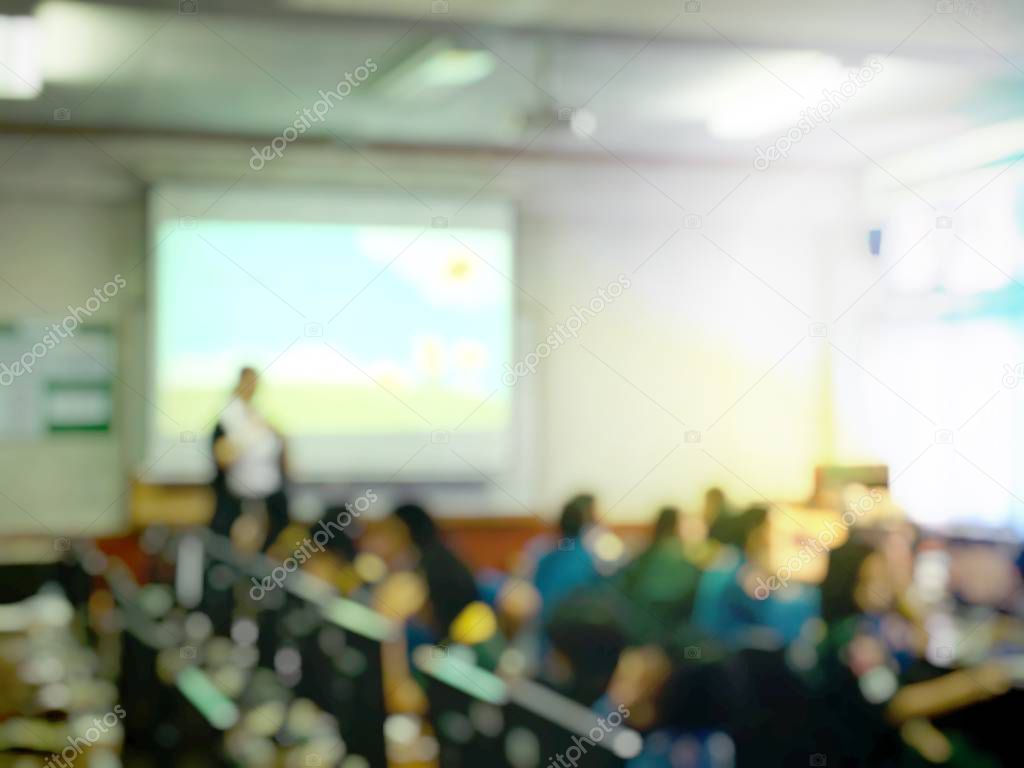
{"x": 570, "y": 565}
{"x": 728, "y": 608}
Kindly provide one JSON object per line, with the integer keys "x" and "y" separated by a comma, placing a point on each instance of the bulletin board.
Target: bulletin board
{"x": 55, "y": 384}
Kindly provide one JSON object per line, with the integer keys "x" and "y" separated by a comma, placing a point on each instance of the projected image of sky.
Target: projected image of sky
{"x": 361, "y": 329}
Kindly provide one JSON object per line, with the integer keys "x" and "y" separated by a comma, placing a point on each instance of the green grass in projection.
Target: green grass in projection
{"x": 313, "y": 409}
{"x": 364, "y": 329}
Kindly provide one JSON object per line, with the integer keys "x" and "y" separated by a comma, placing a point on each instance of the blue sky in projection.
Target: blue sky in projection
{"x": 245, "y": 290}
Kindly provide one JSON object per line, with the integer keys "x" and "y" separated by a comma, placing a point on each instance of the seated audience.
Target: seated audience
{"x": 569, "y": 566}
{"x": 725, "y": 665}
{"x": 745, "y": 709}
{"x": 337, "y": 564}
{"x": 716, "y": 507}
{"x": 587, "y": 635}
{"x": 449, "y": 583}
{"x": 662, "y": 581}
{"x": 870, "y": 708}
{"x": 731, "y": 605}
{"x": 526, "y": 560}
{"x": 717, "y": 518}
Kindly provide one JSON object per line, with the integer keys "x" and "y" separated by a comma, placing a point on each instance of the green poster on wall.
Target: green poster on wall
{"x": 55, "y": 384}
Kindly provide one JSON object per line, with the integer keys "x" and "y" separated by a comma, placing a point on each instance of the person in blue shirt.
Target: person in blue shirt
{"x": 570, "y": 565}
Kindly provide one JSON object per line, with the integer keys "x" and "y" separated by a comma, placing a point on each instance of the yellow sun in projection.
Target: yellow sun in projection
{"x": 445, "y": 271}
{"x": 455, "y": 276}
{"x": 459, "y": 267}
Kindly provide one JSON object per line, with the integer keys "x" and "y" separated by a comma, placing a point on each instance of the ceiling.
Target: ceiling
{"x": 662, "y": 78}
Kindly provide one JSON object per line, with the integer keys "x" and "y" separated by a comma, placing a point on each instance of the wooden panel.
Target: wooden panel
{"x": 483, "y": 541}
{"x": 170, "y": 505}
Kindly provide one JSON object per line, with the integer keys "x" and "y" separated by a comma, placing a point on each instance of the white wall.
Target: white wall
{"x": 55, "y": 251}
{"x": 712, "y": 335}
{"x": 704, "y": 341}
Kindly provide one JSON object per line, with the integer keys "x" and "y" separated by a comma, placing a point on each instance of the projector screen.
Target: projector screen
{"x": 380, "y": 330}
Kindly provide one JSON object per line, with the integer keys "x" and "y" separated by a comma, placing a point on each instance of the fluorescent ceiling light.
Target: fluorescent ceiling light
{"x": 455, "y": 67}
{"x": 436, "y": 66}
{"x": 746, "y": 100}
{"x": 82, "y": 43}
{"x": 583, "y": 123}
{"x": 966, "y": 151}
{"x": 21, "y": 70}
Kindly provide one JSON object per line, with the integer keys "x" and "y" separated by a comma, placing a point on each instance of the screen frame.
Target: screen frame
{"x": 435, "y": 460}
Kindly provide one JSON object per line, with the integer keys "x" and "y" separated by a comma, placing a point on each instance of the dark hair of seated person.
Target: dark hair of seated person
{"x": 697, "y": 697}
{"x": 576, "y": 515}
{"x": 590, "y": 630}
{"x": 839, "y": 588}
{"x": 341, "y": 543}
{"x": 751, "y": 695}
{"x": 667, "y": 524}
{"x": 844, "y": 721}
{"x": 734, "y": 530}
{"x": 450, "y": 583}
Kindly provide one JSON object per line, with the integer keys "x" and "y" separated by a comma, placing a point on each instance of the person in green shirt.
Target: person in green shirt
{"x": 662, "y": 581}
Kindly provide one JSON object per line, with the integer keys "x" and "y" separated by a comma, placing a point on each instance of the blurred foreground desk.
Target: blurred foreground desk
{"x": 483, "y": 720}
{"x": 336, "y": 643}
